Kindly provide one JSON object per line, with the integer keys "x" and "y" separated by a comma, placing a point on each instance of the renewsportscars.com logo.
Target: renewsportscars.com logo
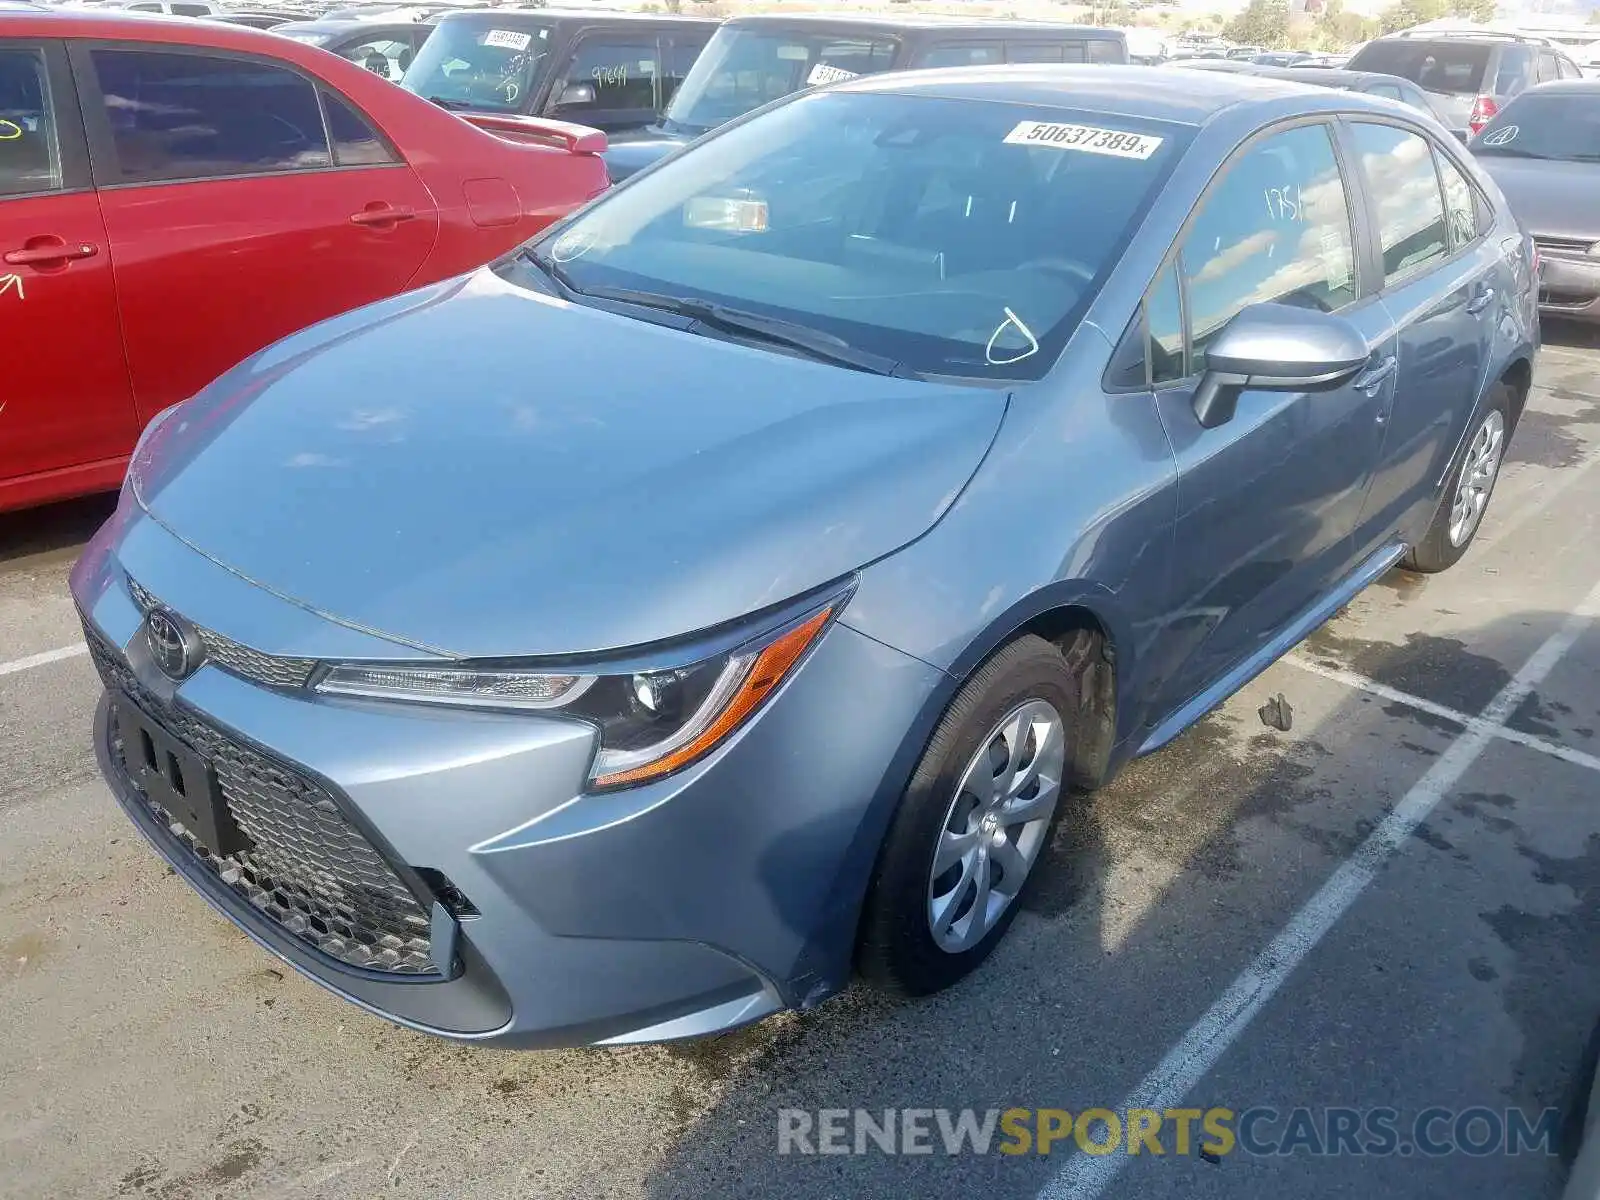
{"x": 1209, "y": 1132}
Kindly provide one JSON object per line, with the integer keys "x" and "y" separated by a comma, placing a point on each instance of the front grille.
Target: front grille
{"x": 1556, "y": 245}
{"x": 308, "y": 869}
{"x": 269, "y": 669}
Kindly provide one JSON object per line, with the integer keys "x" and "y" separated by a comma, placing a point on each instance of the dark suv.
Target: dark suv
{"x": 1468, "y": 75}
{"x": 610, "y": 70}
{"x": 754, "y": 60}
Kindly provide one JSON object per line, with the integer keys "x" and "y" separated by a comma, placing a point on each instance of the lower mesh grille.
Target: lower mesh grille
{"x": 308, "y": 869}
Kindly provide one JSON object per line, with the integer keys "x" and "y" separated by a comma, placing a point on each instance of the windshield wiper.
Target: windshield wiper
{"x": 813, "y": 342}
{"x": 552, "y": 270}
{"x": 452, "y": 105}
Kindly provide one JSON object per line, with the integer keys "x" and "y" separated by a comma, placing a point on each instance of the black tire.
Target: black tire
{"x": 1435, "y": 552}
{"x": 896, "y": 950}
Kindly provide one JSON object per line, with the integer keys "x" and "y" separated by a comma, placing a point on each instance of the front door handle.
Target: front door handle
{"x": 48, "y": 251}
{"x": 380, "y": 213}
{"x": 1481, "y": 301}
{"x": 1373, "y": 378}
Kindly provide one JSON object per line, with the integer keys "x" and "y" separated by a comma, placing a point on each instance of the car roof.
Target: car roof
{"x": 825, "y": 22}
{"x": 512, "y": 17}
{"x": 1185, "y": 97}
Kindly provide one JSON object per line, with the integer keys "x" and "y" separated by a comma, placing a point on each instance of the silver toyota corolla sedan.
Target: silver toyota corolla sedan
{"x": 726, "y": 591}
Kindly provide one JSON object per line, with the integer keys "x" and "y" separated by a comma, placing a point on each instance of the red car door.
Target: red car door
{"x": 243, "y": 201}
{"x": 66, "y": 412}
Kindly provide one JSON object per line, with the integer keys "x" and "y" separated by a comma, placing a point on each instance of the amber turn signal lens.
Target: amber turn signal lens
{"x": 766, "y": 673}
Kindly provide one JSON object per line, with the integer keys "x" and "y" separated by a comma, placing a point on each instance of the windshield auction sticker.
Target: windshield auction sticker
{"x": 507, "y": 39}
{"x": 822, "y": 73}
{"x": 1088, "y": 138}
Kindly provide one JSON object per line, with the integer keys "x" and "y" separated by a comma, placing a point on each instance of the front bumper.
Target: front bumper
{"x": 1569, "y": 286}
{"x": 683, "y": 907}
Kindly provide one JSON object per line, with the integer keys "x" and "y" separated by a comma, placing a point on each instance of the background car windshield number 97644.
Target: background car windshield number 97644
{"x": 1086, "y": 138}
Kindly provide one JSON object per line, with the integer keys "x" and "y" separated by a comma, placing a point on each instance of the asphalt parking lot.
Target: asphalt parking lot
{"x": 1395, "y": 903}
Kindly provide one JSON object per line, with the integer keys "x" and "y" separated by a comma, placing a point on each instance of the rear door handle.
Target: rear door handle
{"x": 381, "y": 213}
{"x": 42, "y": 251}
{"x": 1481, "y": 301}
{"x": 1373, "y": 378}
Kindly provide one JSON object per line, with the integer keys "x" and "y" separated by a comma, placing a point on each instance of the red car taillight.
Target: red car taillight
{"x": 1483, "y": 111}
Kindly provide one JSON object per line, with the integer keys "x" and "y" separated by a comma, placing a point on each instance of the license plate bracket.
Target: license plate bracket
{"x": 179, "y": 780}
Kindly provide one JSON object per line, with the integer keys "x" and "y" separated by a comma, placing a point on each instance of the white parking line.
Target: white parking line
{"x": 42, "y": 658}
{"x": 1532, "y": 741}
{"x": 1086, "y": 1177}
{"x": 1544, "y": 495}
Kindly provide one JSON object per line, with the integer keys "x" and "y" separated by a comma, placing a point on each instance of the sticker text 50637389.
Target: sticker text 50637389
{"x": 1087, "y": 138}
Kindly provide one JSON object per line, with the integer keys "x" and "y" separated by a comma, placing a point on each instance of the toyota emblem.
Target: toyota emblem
{"x": 173, "y": 646}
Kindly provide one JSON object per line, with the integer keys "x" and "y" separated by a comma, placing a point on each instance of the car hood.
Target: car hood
{"x": 628, "y": 154}
{"x": 480, "y": 470}
{"x": 1551, "y": 199}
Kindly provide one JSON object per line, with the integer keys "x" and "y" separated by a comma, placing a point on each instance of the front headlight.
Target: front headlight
{"x": 651, "y": 722}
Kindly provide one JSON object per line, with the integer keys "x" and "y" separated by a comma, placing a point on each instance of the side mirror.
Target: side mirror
{"x": 576, "y": 93}
{"x": 1278, "y": 348}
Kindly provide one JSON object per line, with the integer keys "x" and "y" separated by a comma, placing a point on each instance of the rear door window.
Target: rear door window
{"x": 608, "y": 73}
{"x": 1460, "y": 202}
{"x": 193, "y": 116}
{"x": 1549, "y": 66}
{"x": 961, "y": 54}
{"x": 1275, "y": 228}
{"x": 1400, "y": 175}
{"x": 30, "y": 156}
{"x": 1040, "y": 52}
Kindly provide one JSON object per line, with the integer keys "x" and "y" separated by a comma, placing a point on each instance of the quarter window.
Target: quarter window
{"x": 1276, "y": 228}
{"x": 1104, "y": 50}
{"x": 30, "y": 157}
{"x": 1164, "y": 330}
{"x": 1400, "y": 175}
{"x": 355, "y": 142}
{"x": 609, "y": 74}
{"x": 193, "y": 116}
{"x": 1460, "y": 202}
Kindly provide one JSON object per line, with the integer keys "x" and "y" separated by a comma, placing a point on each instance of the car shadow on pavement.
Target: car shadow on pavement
{"x": 1156, "y": 893}
{"x": 53, "y": 528}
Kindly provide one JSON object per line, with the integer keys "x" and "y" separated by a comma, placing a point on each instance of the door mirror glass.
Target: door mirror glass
{"x": 1276, "y": 347}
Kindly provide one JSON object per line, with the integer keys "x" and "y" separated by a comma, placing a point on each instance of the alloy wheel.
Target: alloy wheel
{"x": 995, "y": 825}
{"x": 1478, "y": 474}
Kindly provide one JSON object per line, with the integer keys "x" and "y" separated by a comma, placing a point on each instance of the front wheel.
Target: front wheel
{"x": 1466, "y": 497}
{"x": 973, "y": 822}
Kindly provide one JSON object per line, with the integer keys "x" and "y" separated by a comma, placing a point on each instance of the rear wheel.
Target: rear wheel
{"x": 1466, "y": 497}
{"x": 973, "y": 822}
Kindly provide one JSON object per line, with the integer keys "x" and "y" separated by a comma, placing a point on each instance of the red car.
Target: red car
{"x": 175, "y": 195}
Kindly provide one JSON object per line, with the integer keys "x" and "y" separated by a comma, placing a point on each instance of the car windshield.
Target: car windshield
{"x": 480, "y": 64}
{"x": 1557, "y": 125}
{"x": 941, "y": 236}
{"x": 310, "y": 36}
{"x": 743, "y": 68}
{"x": 1446, "y": 68}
